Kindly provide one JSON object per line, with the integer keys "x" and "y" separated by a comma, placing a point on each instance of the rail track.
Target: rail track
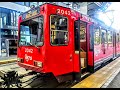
{"x": 32, "y": 80}
{"x": 28, "y": 81}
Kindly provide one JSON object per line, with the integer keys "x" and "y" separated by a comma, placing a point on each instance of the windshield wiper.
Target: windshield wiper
{"x": 32, "y": 44}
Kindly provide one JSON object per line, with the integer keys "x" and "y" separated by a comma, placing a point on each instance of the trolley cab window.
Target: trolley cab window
{"x": 31, "y": 32}
{"x": 58, "y": 30}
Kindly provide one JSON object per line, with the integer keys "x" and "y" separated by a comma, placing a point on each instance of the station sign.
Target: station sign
{"x": 31, "y": 13}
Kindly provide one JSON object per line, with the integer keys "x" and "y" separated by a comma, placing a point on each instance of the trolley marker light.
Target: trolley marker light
{"x": 39, "y": 64}
{"x": 18, "y": 59}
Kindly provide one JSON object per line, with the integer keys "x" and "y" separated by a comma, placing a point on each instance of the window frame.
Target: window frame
{"x": 63, "y": 31}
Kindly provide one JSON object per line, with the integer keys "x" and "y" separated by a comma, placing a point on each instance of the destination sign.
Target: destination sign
{"x": 31, "y": 13}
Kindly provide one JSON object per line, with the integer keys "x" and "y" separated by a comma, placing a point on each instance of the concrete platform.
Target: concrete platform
{"x": 7, "y": 58}
{"x": 4, "y": 60}
{"x": 113, "y": 81}
{"x": 103, "y": 78}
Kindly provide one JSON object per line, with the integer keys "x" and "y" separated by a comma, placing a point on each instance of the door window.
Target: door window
{"x": 58, "y": 30}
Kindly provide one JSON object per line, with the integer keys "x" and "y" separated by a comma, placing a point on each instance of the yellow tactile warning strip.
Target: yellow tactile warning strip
{"x": 8, "y": 61}
{"x": 97, "y": 79}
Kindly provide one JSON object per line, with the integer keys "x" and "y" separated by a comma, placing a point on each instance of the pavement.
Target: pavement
{"x": 7, "y": 58}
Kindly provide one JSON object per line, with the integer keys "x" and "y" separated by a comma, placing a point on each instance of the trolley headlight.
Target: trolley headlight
{"x": 38, "y": 64}
{"x": 18, "y": 59}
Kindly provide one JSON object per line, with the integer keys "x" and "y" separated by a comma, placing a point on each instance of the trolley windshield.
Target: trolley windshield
{"x": 31, "y": 32}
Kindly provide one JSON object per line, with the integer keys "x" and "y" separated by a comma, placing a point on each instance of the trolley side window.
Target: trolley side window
{"x": 117, "y": 38}
{"x": 91, "y": 38}
{"x": 109, "y": 37}
{"x": 96, "y": 36}
{"x": 58, "y": 30}
{"x": 103, "y": 36}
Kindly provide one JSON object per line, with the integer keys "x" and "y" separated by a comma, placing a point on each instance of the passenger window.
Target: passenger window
{"x": 109, "y": 36}
{"x": 117, "y": 37}
{"x": 91, "y": 38}
{"x": 58, "y": 30}
{"x": 83, "y": 31}
{"x": 103, "y": 37}
{"x": 97, "y": 36}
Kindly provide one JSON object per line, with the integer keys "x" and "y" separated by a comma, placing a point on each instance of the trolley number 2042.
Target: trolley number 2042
{"x": 61, "y": 11}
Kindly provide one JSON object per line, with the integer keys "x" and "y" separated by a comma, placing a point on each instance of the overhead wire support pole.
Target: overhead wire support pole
{"x": 111, "y": 20}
